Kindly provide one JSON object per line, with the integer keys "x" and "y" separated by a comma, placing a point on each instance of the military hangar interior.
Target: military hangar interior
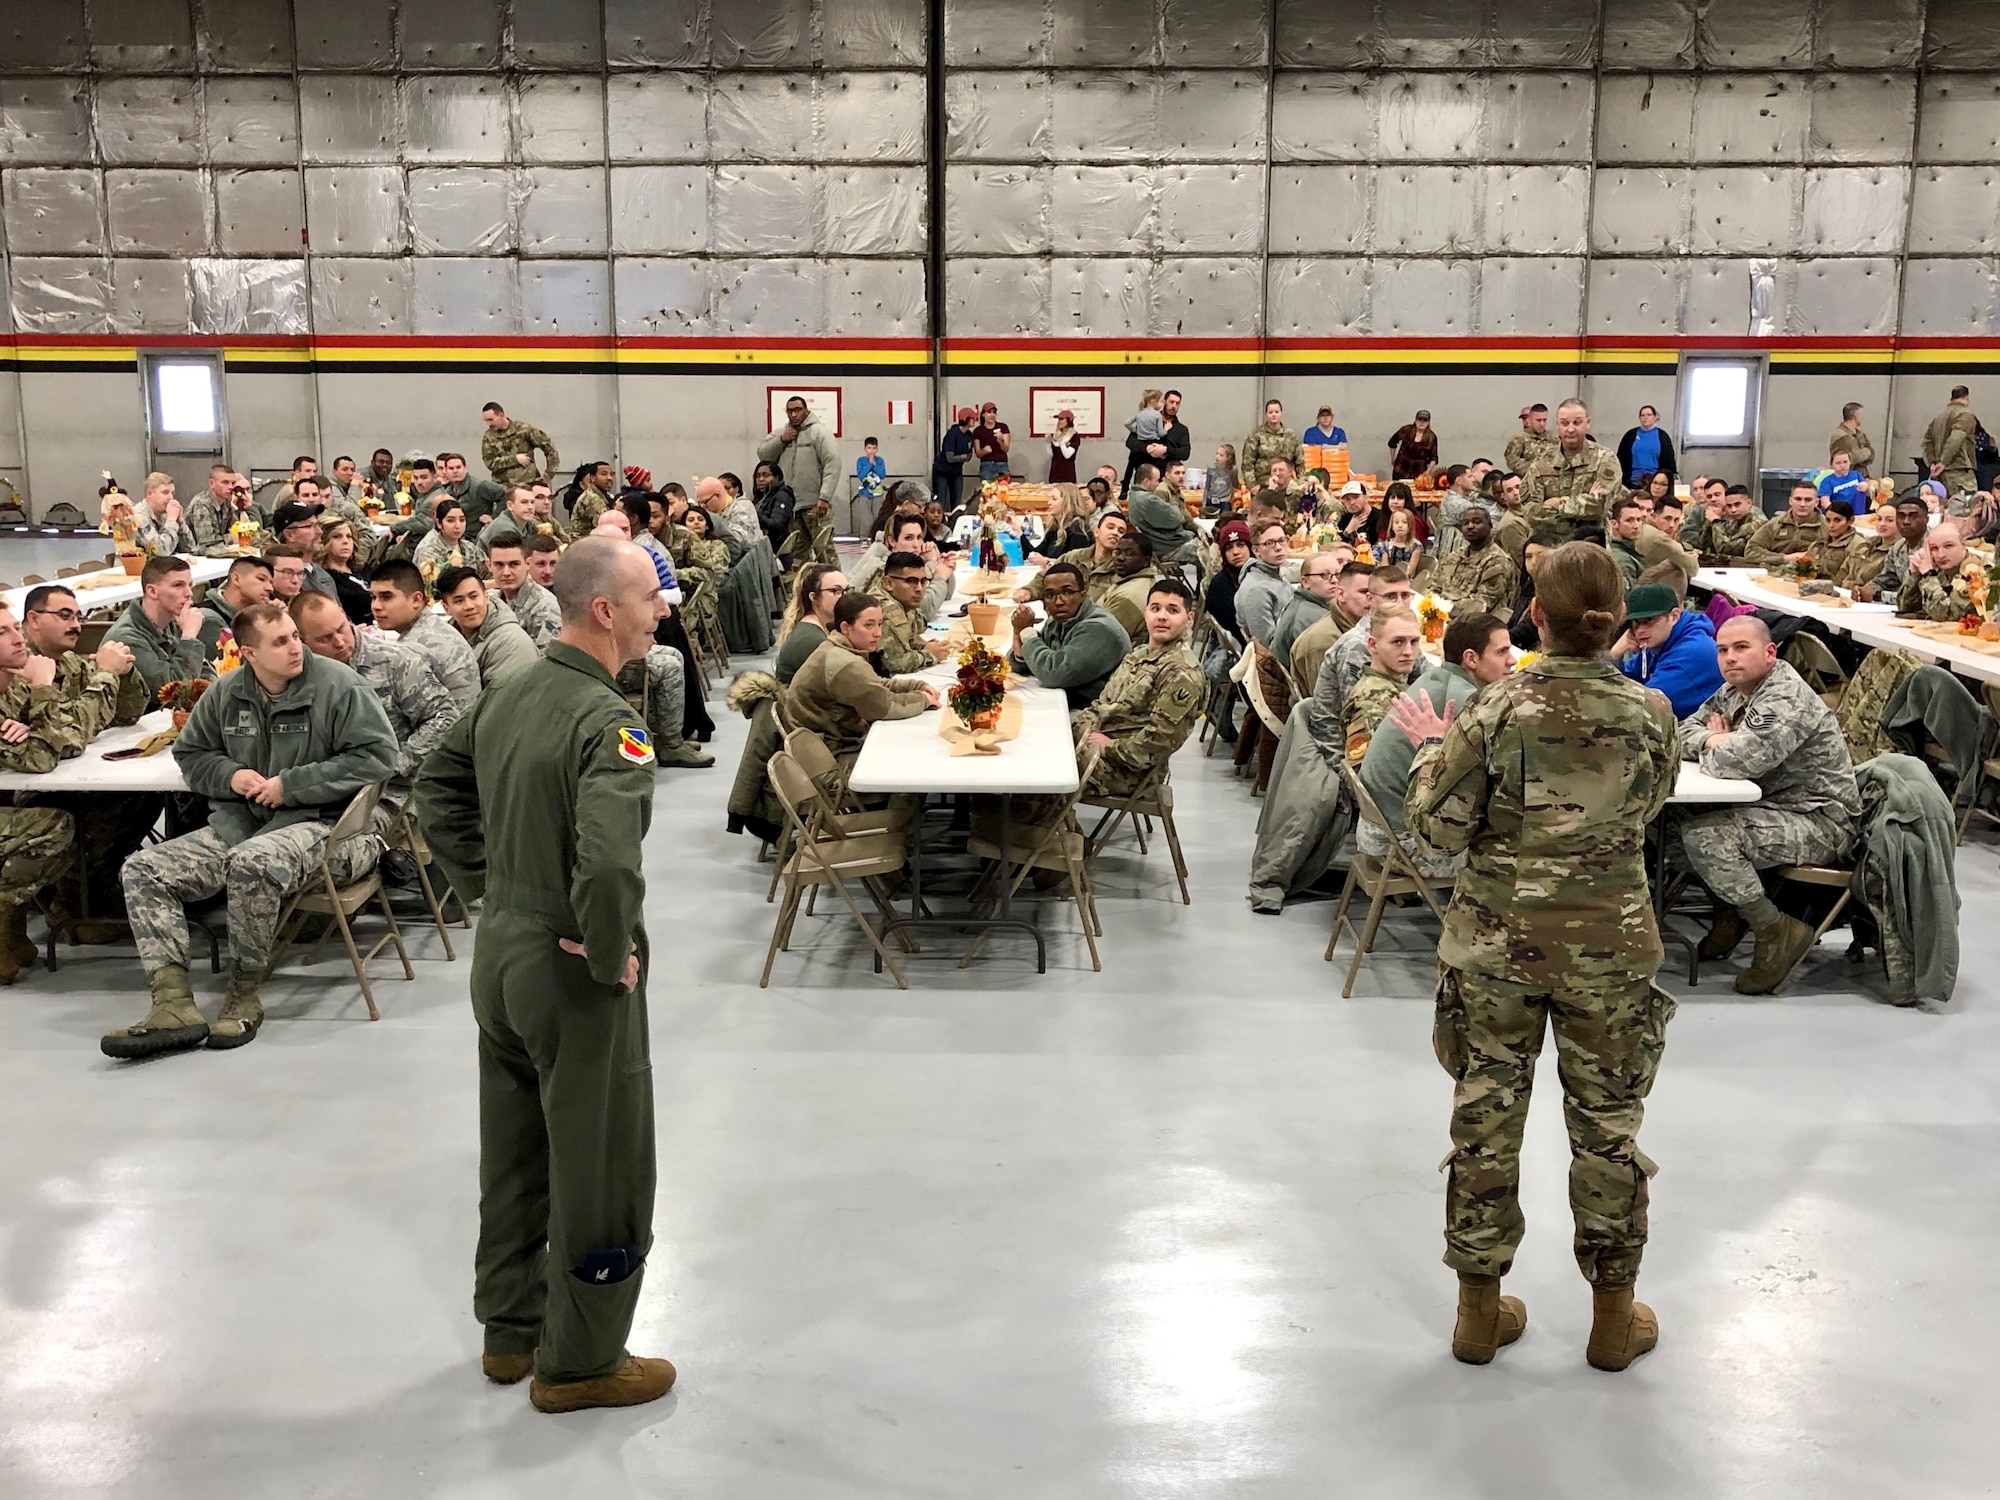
{"x": 1162, "y": 1219}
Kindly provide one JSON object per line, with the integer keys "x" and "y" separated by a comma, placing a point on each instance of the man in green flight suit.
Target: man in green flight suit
{"x": 539, "y": 800}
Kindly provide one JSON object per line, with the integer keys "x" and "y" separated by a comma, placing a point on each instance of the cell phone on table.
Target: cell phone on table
{"x": 132, "y": 754}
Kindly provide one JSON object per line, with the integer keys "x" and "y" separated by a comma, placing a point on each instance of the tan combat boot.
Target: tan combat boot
{"x": 633, "y": 1384}
{"x": 506, "y": 1369}
{"x": 1723, "y": 935}
{"x": 1486, "y": 1320}
{"x": 16, "y": 952}
{"x": 173, "y": 1024}
{"x": 1620, "y": 1329}
{"x": 1779, "y": 945}
{"x": 241, "y": 1014}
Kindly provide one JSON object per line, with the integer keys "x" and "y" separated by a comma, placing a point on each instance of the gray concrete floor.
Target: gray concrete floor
{"x": 1168, "y": 1230}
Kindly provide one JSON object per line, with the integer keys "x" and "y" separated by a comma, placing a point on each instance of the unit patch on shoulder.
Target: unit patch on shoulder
{"x": 634, "y": 745}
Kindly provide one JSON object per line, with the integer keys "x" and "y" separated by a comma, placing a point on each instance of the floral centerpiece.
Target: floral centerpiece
{"x": 1433, "y": 615}
{"x": 180, "y": 698}
{"x": 981, "y": 687}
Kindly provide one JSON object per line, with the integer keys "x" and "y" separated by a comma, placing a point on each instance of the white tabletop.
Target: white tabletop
{"x": 91, "y": 772}
{"x": 1740, "y": 585}
{"x": 1871, "y": 624}
{"x": 1696, "y": 786}
{"x": 910, "y": 755}
{"x": 1897, "y": 633}
{"x": 205, "y": 570}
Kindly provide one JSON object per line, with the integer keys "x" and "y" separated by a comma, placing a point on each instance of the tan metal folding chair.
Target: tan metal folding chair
{"x": 1825, "y": 676}
{"x": 1152, "y": 798}
{"x": 1394, "y": 874}
{"x": 1057, "y": 844}
{"x": 807, "y": 748}
{"x": 1820, "y": 875}
{"x": 822, "y": 854}
{"x": 322, "y": 896}
{"x": 405, "y": 834}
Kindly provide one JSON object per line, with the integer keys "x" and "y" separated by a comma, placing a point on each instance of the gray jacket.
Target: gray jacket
{"x": 1261, "y": 592}
{"x": 1385, "y": 769}
{"x": 158, "y": 656}
{"x": 325, "y": 738}
{"x": 1906, "y": 874}
{"x": 811, "y": 461}
{"x": 1078, "y": 657}
{"x": 500, "y": 646}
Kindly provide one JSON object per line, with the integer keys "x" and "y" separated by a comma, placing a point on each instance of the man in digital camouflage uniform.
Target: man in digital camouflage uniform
{"x": 1763, "y": 725}
{"x": 1573, "y": 479}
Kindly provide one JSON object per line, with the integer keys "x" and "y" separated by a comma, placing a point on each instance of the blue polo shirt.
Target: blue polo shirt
{"x": 1325, "y": 437}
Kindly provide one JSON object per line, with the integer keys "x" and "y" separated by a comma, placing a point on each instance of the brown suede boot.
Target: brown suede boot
{"x": 1486, "y": 1320}
{"x": 242, "y": 1013}
{"x": 506, "y": 1369}
{"x": 633, "y": 1384}
{"x": 1620, "y": 1329}
{"x": 1779, "y": 945}
{"x": 173, "y": 1024}
{"x": 1723, "y": 935}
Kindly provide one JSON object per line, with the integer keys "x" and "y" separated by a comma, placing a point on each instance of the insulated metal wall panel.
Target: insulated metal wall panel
{"x": 1542, "y": 33}
{"x": 1317, "y": 298}
{"x": 348, "y": 119}
{"x": 1328, "y": 34}
{"x": 1537, "y": 210}
{"x": 130, "y": 36}
{"x": 873, "y": 33}
{"x": 462, "y": 210}
{"x": 1756, "y": 34}
{"x": 996, "y": 34}
{"x": 480, "y": 298}
{"x": 252, "y": 121}
{"x": 770, "y": 298}
{"x": 1323, "y": 117}
{"x": 1427, "y": 210}
{"x": 658, "y": 117}
{"x": 150, "y": 296}
{"x": 660, "y": 298}
{"x": 1752, "y": 210}
{"x": 1211, "y": 117}
{"x": 998, "y": 117}
{"x": 68, "y": 294}
{"x": 1418, "y": 297}
{"x": 872, "y": 210}
{"x": 764, "y": 210}
{"x": 53, "y": 211}
{"x": 449, "y": 33}
{"x": 44, "y": 122}
{"x": 247, "y": 296}
{"x": 347, "y": 34}
{"x": 246, "y": 36}
{"x": 1203, "y": 297}
{"x": 157, "y": 211}
{"x": 1636, "y": 296}
{"x": 455, "y": 119}
{"x": 1539, "y": 116}
{"x": 1104, "y": 117}
{"x": 1960, "y": 117}
{"x": 260, "y": 213}
{"x": 659, "y": 210}
{"x": 1431, "y": 117}
{"x": 556, "y": 34}
{"x": 1099, "y": 298}
{"x": 656, "y": 33}
{"x": 1721, "y": 297}
{"x": 148, "y": 121}
{"x": 1750, "y": 117}
{"x": 875, "y": 298}
{"x": 1105, "y": 34}
{"x": 561, "y": 119}
{"x": 1955, "y": 210}
{"x": 1321, "y": 210}
{"x": 997, "y": 298}
{"x": 1642, "y": 211}
{"x": 1100, "y": 210}
{"x": 761, "y": 117}
{"x": 1646, "y": 118}
{"x": 1854, "y": 210}
{"x": 1215, "y": 33}
{"x": 1649, "y": 34}
{"x": 1870, "y": 33}
{"x": 1524, "y": 296}
{"x": 871, "y": 117}
{"x": 1960, "y": 34}
{"x": 1211, "y": 209}
{"x": 47, "y": 34}
{"x": 356, "y": 211}
{"x": 565, "y": 298}
{"x": 996, "y": 210}
{"x": 360, "y": 296}
{"x": 1862, "y": 117}
{"x": 563, "y": 211}
{"x": 1846, "y": 296}
{"x": 1950, "y": 298}
{"x": 760, "y": 34}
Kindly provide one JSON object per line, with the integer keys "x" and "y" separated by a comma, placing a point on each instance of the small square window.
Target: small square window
{"x": 185, "y": 395}
{"x": 1718, "y": 403}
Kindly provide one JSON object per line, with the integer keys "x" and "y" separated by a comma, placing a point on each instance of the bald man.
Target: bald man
{"x": 1764, "y": 724}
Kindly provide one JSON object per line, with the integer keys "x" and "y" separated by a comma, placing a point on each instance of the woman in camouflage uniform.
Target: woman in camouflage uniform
{"x": 1546, "y": 783}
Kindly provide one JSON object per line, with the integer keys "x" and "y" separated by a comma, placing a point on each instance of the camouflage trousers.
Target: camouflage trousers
{"x": 257, "y": 874}
{"x": 810, "y": 540}
{"x": 34, "y": 851}
{"x": 1726, "y": 847}
{"x": 1609, "y": 1035}
{"x": 109, "y": 829}
{"x": 664, "y": 676}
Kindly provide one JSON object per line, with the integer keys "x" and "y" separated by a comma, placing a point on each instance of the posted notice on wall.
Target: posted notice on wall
{"x": 823, "y": 401}
{"x": 1085, "y": 403}
{"x": 902, "y": 413}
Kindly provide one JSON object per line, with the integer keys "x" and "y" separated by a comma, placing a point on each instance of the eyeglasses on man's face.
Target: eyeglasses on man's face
{"x": 66, "y": 615}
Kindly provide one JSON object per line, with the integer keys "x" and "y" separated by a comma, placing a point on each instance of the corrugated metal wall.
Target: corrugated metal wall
{"x": 1115, "y": 170}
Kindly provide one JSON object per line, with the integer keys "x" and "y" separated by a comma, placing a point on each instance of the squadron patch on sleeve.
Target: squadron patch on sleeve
{"x": 634, "y": 745}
